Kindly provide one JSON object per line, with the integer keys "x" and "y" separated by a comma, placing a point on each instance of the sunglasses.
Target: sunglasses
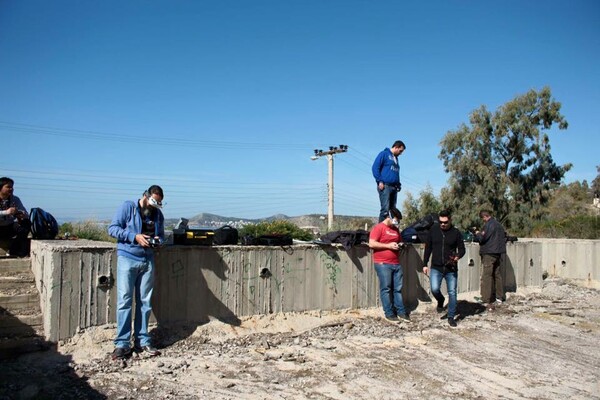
{"x": 444, "y": 222}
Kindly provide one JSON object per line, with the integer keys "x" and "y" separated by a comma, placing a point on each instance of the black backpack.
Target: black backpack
{"x": 418, "y": 231}
{"x": 43, "y": 224}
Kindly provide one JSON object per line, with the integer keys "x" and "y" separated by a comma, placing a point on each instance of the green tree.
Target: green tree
{"x": 502, "y": 161}
{"x": 596, "y": 183}
{"x": 569, "y": 200}
{"x": 415, "y": 209}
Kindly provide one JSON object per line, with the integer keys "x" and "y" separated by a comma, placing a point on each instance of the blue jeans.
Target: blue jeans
{"x": 387, "y": 198}
{"x": 435, "y": 278}
{"x": 390, "y": 288}
{"x": 134, "y": 276}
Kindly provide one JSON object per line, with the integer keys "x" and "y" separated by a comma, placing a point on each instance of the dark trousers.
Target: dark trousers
{"x": 17, "y": 234}
{"x": 491, "y": 277}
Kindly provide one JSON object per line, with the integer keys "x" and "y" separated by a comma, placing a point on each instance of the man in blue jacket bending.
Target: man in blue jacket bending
{"x": 138, "y": 228}
{"x": 387, "y": 175}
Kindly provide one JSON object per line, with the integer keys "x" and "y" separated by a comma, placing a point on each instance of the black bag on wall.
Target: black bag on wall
{"x": 226, "y": 235}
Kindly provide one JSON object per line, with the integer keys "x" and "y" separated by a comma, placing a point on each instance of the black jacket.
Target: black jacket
{"x": 443, "y": 244}
{"x": 492, "y": 238}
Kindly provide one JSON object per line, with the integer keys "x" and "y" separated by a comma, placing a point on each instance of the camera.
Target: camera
{"x": 154, "y": 242}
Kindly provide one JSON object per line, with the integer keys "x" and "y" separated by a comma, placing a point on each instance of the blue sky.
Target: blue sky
{"x": 222, "y": 102}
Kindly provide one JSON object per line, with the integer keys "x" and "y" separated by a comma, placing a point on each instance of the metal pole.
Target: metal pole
{"x": 330, "y": 194}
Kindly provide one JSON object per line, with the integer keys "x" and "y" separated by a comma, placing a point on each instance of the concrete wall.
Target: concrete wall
{"x": 194, "y": 284}
{"x": 66, "y": 275}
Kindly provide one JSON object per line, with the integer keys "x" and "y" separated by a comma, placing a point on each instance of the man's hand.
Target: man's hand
{"x": 142, "y": 240}
{"x": 13, "y": 211}
{"x": 380, "y": 185}
{"x": 426, "y": 270}
{"x": 393, "y": 246}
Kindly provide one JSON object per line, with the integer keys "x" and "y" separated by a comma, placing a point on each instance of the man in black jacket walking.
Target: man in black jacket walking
{"x": 445, "y": 246}
{"x": 492, "y": 244}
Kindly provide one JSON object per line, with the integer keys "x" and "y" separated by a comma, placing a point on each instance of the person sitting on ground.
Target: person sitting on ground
{"x": 14, "y": 220}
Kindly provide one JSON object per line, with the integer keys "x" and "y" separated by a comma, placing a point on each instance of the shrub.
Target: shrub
{"x": 276, "y": 227}
{"x": 91, "y": 230}
{"x": 576, "y": 227}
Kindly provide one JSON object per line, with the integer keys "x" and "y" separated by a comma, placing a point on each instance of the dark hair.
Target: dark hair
{"x": 399, "y": 143}
{"x": 445, "y": 213}
{"x": 155, "y": 189}
{"x": 484, "y": 213}
{"x": 395, "y": 213}
{"x": 4, "y": 181}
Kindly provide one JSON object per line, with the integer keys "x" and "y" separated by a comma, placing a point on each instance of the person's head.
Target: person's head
{"x": 6, "y": 187}
{"x": 485, "y": 215}
{"x": 152, "y": 198}
{"x": 398, "y": 147}
{"x": 445, "y": 220}
{"x": 394, "y": 216}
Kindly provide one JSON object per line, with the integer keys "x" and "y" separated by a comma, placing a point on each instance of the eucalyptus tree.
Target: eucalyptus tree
{"x": 501, "y": 160}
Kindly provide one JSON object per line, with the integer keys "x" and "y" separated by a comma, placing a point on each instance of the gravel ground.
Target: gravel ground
{"x": 540, "y": 344}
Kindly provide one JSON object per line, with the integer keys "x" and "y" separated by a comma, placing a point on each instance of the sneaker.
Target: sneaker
{"x": 121, "y": 353}
{"x": 440, "y": 308}
{"x": 393, "y": 319}
{"x": 478, "y": 299}
{"x": 150, "y": 350}
{"x": 498, "y": 302}
{"x": 403, "y": 318}
{"x": 452, "y": 322}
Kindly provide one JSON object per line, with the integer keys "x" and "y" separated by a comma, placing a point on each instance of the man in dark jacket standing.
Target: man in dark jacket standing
{"x": 387, "y": 175}
{"x": 492, "y": 244}
{"x": 445, "y": 246}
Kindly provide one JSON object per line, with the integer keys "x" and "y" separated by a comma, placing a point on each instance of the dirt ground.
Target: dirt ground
{"x": 540, "y": 344}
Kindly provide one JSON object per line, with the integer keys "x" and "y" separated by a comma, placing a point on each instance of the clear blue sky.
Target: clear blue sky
{"x": 222, "y": 102}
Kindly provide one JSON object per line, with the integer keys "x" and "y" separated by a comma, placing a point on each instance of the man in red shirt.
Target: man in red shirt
{"x": 385, "y": 240}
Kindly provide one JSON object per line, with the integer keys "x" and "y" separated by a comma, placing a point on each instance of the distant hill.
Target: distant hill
{"x": 312, "y": 220}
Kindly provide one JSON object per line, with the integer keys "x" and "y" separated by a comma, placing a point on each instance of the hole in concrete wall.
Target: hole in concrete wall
{"x": 471, "y": 262}
{"x": 563, "y": 263}
{"x": 265, "y": 273}
{"x": 105, "y": 282}
{"x": 531, "y": 262}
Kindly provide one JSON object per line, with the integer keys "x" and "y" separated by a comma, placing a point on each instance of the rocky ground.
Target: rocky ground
{"x": 540, "y": 344}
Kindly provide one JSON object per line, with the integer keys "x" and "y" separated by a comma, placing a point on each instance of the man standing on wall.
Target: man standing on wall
{"x": 14, "y": 220}
{"x": 385, "y": 240}
{"x": 138, "y": 228}
{"x": 445, "y": 246}
{"x": 387, "y": 175}
{"x": 492, "y": 245}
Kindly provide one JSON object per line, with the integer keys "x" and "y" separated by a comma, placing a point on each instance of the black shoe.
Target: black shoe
{"x": 440, "y": 308}
{"x": 393, "y": 319}
{"x": 403, "y": 318}
{"x": 150, "y": 350}
{"x": 452, "y": 322}
{"x": 121, "y": 353}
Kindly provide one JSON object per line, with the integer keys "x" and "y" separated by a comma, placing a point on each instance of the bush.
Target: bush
{"x": 577, "y": 227}
{"x": 277, "y": 227}
{"x": 91, "y": 230}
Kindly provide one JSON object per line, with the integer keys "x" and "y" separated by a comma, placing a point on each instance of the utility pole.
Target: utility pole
{"x": 319, "y": 153}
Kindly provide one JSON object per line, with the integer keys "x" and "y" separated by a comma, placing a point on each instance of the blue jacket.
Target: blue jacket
{"x": 127, "y": 223}
{"x": 386, "y": 169}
